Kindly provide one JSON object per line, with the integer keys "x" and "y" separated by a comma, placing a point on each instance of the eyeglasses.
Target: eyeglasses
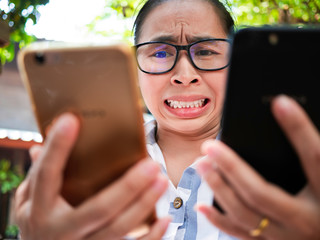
{"x": 161, "y": 57}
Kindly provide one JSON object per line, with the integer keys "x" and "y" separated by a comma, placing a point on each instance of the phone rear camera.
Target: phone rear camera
{"x": 273, "y": 39}
{"x": 40, "y": 58}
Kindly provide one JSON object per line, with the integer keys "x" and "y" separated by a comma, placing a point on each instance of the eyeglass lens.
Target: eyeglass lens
{"x": 161, "y": 57}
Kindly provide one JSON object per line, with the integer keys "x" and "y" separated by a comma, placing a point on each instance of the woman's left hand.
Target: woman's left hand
{"x": 255, "y": 208}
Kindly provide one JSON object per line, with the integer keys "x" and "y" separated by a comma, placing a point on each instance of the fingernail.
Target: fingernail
{"x": 202, "y": 208}
{"x": 205, "y": 145}
{"x": 165, "y": 222}
{"x": 283, "y": 101}
{"x": 149, "y": 168}
{"x": 64, "y": 123}
{"x": 213, "y": 150}
{"x": 160, "y": 184}
{"x": 283, "y": 106}
{"x": 197, "y": 206}
{"x": 203, "y": 167}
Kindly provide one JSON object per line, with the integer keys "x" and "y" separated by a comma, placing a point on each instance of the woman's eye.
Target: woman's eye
{"x": 205, "y": 53}
{"x": 161, "y": 54}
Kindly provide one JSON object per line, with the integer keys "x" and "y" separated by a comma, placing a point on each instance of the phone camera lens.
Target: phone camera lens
{"x": 273, "y": 39}
{"x": 39, "y": 57}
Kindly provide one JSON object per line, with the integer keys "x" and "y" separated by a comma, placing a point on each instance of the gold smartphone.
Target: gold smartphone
{"x": 99, "y": 85}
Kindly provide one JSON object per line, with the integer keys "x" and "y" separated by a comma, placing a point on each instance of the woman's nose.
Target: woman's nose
{"x": 184, "y": 73}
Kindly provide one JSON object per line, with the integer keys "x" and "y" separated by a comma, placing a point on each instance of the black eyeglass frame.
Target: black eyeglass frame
{"x": 178, "y": 49}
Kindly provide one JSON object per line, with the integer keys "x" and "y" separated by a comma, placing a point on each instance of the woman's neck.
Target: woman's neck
{"x": 180, "y": 150}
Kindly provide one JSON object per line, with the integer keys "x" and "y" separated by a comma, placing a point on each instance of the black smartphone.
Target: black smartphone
{"x": 266, "y": 62}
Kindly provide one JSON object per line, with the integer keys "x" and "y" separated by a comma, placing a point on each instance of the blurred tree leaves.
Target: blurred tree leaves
{"x": 125, "y": 7}
{"x": 124, "y": 10}
{"x": 14, "y": 18}
{"x": 10, "y": 177}
{"x": 259, "y": 12}
{"x": 245, "y": 12}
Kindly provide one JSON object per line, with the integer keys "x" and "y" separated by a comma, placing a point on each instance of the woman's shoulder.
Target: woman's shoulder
{"x": 150, "y": 128}
{"x": 147, "y": 117}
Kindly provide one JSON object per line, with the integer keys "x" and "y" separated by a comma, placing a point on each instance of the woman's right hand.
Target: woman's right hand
{"x": 41, "y": 212}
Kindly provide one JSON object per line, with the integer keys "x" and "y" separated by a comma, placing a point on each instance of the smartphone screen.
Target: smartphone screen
{"x": 266, "y": 62}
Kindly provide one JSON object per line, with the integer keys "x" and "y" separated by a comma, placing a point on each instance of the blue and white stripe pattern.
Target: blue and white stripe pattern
{"x": 186, "y": 223}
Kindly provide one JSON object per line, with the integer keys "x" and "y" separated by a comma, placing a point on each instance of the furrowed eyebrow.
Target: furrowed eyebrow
{"x": 175, "y": 39}
{"x": 163, "y": 39}
{"x": 199, "y": 38}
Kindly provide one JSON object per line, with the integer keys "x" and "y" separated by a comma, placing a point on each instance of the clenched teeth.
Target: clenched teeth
{"x": 181, "y": 104}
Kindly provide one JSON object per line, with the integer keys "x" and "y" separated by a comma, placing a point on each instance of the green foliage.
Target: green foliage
{"x": 10, "y": 178}
{"x": 16, "y": 16}
{"x": 127, "y": 8}
{"x": 245, "y": 12}
{"x": 12, "y": 231}
{"x": 259, "y": 12}
{"x": 124, "y": 10}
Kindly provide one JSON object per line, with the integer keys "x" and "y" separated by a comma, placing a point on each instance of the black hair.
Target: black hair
{"x": 223, "y": 13}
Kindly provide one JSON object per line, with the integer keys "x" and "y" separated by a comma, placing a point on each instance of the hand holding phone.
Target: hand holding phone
{"x": 250, "y": 200}
{"x": 98, "y": 84}
{"x": 267, "y": 62}
{"x": 40, "y": 211}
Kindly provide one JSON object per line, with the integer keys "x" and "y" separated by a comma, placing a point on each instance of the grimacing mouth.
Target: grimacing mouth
{"x": 187, "y": 104}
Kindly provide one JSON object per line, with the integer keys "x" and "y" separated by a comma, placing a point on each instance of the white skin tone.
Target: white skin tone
{"x": 43, "y": 214}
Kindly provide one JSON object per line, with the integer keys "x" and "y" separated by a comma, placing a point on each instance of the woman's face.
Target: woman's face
{"x": 182, "y": 22}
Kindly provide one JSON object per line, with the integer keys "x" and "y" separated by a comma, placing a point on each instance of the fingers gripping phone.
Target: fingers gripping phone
{"x": 99, "y": 85}
{"x": 266, "y": 62}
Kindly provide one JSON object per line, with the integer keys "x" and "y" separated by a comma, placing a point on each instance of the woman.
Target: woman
{"x": 185, "y": 95}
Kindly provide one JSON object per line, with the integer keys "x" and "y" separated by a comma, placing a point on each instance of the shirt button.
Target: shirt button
{"x": 177, "y": 203}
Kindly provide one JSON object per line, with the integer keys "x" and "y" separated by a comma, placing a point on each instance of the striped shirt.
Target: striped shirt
{"x": 186, "y": 223}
